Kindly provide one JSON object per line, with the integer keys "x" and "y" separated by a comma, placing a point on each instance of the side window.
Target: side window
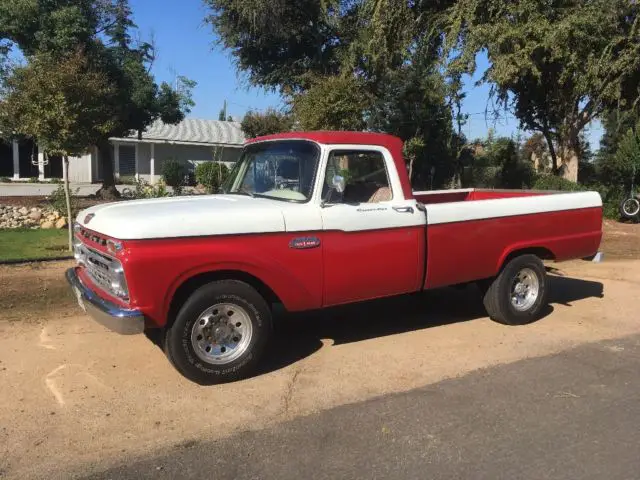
{"x": 365, "y": 173}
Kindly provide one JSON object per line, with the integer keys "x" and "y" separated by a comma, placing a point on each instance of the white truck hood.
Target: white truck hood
{"x": 184, "y": 217}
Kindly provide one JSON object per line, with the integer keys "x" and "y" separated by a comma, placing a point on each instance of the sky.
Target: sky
{"x": 187, "y": 46}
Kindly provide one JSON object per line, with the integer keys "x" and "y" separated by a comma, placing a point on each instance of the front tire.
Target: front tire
{"x": 220, "y": 333}
{"x": 519, "y": 293}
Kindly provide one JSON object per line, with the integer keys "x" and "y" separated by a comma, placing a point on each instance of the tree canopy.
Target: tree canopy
{"x": 348, "y": 65}
{"x": 257, "y": 124}
{"x": 558, "y": 64}
{"x": 102, "y": 31}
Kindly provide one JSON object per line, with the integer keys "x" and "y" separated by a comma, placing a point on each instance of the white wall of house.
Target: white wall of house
{"x": 190, "y": 155}
{"x": 141, "y": 159}
{"x": 80, "y": 169}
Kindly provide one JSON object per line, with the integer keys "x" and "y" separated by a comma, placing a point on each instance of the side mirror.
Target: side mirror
{"x": 338, "y": 183}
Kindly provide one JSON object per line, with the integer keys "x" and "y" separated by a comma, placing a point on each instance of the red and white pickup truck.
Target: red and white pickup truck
{"x": 311, "y": 220}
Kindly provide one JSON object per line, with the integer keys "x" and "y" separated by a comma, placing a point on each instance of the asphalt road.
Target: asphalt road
{"x": 573, "y": 415}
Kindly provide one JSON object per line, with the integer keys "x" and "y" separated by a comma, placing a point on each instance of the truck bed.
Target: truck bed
{"x": 471, "y": 194}
{"x": 471, "y": 232}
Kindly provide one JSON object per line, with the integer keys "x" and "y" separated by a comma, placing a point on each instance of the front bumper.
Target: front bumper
{"x": 112, "y": 316}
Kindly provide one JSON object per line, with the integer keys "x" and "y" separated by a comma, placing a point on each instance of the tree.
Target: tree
{"x": 256, "y": 124}
{"x": 411, "y": 103}
{"x": 622, "y": 166}
{"x": 280, "y": 44}
{"x": 332, "y": 103}
{"x": 102, "y": 30}
{"x": 222, "y": 116}
{"x": 340, "y": 64}
{"x": 559, "y": 64}
{"x": 60, "y": 103}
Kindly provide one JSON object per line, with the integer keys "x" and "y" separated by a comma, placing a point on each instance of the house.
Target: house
{"x": 190, "y": 142}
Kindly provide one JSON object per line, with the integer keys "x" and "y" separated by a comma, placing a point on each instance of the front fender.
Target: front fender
{"x": 156, "y": 268}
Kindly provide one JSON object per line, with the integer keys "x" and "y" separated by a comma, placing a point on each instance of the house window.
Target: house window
{"x": 127, "y": 160}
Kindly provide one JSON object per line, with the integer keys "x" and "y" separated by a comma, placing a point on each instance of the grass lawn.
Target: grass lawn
{"x": 33, "y": 244}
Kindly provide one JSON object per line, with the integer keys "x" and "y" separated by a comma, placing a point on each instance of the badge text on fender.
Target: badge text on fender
{"x": 304, "y": 242}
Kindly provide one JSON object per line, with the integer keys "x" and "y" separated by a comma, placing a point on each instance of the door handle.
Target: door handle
{"x": 403, "y": 209}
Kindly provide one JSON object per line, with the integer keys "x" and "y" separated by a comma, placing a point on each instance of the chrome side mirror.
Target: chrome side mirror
{"x": 338, "y": 183}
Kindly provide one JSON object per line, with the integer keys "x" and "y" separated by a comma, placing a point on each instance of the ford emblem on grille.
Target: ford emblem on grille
{"x": 88, "y": 218}
{"x": 304, "y": 242}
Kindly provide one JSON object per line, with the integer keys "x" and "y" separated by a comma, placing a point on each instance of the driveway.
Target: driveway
{"x": 78, "y": 400}
{"x": 572, "y": 415}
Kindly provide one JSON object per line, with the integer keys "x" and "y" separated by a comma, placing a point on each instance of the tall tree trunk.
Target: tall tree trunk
{"x": 552, "y": 151}
{"x": 570, "y": 148}
{"x": 108, "y": 191}
{"x": 67, "y": 197}
{"x": 570, "y": 163}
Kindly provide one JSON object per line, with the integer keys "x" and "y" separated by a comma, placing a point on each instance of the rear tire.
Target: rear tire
{"x": 519, "y": 292}
{"x": 220, "y": 333}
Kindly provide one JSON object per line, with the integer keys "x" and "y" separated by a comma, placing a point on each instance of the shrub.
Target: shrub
{"x": 554, "y": 182}
{"x": 211, "y": 175}
{"x": 34, "y": 180}
{"x": 612, "y": 195}
{"x": 55, "y": 180}
{"x": 127, "y": 180}
{"x": 173, "y": 173}
{"x": 5, "y": 179}
{"x": 145, "y": 190}
{"x": 58, "y": 202}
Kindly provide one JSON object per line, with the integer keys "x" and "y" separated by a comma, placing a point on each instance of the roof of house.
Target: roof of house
{"x": 193, "y": 130}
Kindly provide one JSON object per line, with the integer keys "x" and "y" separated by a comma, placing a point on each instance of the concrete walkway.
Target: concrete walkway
{"x": 44, "y": 189}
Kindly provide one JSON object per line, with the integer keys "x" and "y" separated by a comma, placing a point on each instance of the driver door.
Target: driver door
{"x": 372, "y": 237}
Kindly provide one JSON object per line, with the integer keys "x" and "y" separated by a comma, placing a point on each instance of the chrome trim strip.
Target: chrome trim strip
{"x": 114, "y": 317}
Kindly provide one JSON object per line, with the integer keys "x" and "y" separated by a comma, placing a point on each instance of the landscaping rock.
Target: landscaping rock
{"x": 35, "y": 215}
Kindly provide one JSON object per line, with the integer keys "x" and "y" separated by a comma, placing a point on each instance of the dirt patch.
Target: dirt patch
{"x": 34, "y": 291}
{"x": 620, "y": 240}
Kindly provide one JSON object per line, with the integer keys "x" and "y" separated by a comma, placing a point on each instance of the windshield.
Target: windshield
{"x": 282, "y": 170}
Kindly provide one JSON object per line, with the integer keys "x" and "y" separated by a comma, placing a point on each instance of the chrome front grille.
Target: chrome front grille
{"x": 101, "y": 269}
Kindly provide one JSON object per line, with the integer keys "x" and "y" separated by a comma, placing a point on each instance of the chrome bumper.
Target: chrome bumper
{"x": 112, "y": 316}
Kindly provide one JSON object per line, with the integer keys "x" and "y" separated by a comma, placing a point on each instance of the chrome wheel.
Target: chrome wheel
{"x": 222, "y": 333}
{"x": 631, "y": 207}
{"x": 524, "y": 289}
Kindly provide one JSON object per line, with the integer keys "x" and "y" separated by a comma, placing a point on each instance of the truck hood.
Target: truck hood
{"x": 184, "y": 217}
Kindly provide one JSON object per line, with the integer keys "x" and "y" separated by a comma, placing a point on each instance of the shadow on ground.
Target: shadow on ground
{"x": 299, "y": 335}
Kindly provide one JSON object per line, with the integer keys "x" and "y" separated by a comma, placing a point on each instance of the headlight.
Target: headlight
{"x": 114, "y": 246}
{"x": 119, "y": 283}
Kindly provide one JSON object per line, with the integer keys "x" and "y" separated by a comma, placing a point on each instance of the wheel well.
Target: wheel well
{"x": 541, "y": 252}
{"x": 192, "y": 284}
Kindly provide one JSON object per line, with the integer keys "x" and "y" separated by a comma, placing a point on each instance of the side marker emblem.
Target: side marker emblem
{"x": 304, "y": 242}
